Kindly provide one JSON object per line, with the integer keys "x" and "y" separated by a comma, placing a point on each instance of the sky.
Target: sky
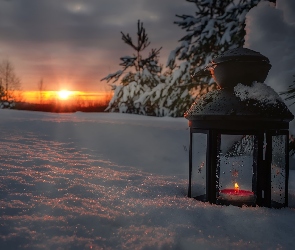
{"x": 73, "y": 44}
{"x": 271, "y": 31}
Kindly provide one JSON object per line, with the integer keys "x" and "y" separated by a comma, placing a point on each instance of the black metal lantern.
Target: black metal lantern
{"x": 239, "y": 136}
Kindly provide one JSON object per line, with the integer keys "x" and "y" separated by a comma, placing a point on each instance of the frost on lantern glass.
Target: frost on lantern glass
{"x": 278, "y": 171}
{"x": 199, "y": 148}
{"x": 236, "y": 164}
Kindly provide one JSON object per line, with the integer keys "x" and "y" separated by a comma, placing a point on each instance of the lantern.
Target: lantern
{"x": 239, "y": 136}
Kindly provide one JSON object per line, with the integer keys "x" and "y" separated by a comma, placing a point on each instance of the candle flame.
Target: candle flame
{"x": 236, "y": 187}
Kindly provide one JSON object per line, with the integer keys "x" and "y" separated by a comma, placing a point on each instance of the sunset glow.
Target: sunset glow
{"x": 64, "y": 94}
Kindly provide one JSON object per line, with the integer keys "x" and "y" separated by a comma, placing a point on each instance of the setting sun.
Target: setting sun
{"x": 64, "y": 94}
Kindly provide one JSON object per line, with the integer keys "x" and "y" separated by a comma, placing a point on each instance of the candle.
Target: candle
{"x": 236, "y": 194}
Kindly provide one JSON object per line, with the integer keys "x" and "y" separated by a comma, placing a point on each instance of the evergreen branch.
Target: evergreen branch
{"x": 153, "y": 54}
{"x": 128, "y": 61}
{"x": 143, "y": 40}
{"x": 292, "y": 145}
{"x": 128, "y": 40}
{"x": 114, "y": 76}
{"x": 290, "y": 93}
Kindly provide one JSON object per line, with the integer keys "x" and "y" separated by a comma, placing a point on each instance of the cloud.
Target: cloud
{"x": 63, "y": 37}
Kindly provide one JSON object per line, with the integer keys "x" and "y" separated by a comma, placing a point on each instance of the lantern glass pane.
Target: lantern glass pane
{"x": 236, "y": 158}
{"x": 199, "y": 150}
{"x": 278, "y": 168}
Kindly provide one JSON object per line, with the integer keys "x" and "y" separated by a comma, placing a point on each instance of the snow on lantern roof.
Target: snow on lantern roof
{"x": 259, "y": 92}
{"x": 256, "y": 102}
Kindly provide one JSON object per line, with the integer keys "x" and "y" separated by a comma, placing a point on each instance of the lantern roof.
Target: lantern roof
{"x": 240, "y": 54}
{"x": 240, "y": 65}
{"x": 257, "y": 102}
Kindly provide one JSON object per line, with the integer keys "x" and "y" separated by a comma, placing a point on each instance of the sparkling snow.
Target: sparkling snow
{"x": 116, "y": 181}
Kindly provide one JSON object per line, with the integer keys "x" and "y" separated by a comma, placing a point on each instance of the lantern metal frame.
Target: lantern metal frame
{"x": 224, "y": 112}
{"x": 262, "y": 131}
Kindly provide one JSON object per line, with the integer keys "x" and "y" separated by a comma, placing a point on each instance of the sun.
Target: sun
{"x": 64, "y": 94}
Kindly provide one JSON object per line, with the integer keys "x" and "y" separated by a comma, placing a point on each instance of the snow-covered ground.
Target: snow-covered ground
{"x": 116, "y": 181}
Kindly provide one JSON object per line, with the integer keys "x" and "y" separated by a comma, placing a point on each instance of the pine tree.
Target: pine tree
{"x": 292, "y": 145}
{"x": 290, "y": 95}
{"x": 137, "y": 78}
{"x": 182, "y": 89}
{"x": 290, "y": 92}
{"x": 218, "y": 25}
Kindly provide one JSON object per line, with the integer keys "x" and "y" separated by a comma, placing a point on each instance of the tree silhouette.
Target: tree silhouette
{"x": 9, "y": 82}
